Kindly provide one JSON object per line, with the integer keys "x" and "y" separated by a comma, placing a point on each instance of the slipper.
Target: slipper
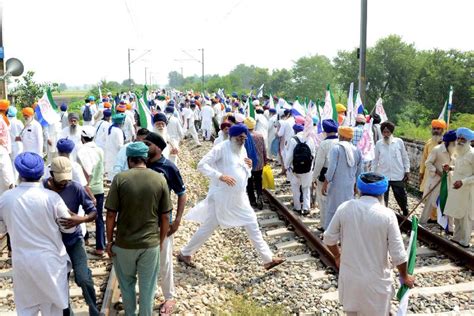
{"x": 186, "y": 262}
{"x": 275, "y": 262}
{"x": 95, "y": 253}
{"x": 167, "y": 307}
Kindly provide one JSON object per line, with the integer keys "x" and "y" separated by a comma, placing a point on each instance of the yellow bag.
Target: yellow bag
{"x": 267, "y": 178}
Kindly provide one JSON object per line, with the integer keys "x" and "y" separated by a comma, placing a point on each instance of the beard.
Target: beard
{"x": 451, "y": 148}
{"x": 436, "y": 138}
{"x": 162, "y": 132}
{"x": 235, "y": 147}
{"x": 73, "y": 129}
{"x": 462, "y": 148}
{"x": 387, "y": 140}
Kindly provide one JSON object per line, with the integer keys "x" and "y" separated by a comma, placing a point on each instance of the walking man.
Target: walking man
{"x": 345, "y": 165}
{"x": 391, "y": 160}
{"x": 33, "y": 217}
{"x": 32, "y": 133}
{"x": 138, "y": 203}
{"x": 368, "y": 233}
{"x": 227, "y": 204}
{"x": 74, "y": 195}
{"x": 160, "y": 164}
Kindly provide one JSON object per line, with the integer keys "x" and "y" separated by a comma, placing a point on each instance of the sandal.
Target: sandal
{"x": 167, "y": 307}
{"x": 187, "y": 262}
{"x": 96, "y": 253}
{"x": 275, "y": 262}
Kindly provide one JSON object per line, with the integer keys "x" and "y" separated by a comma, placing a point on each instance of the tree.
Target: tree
{"x": 311, "y": 75}
{"x": 175, "y": 79}
{"x": 280, "y": 83}
{"x": 27, "y": 92}
{"x": 127, "y": 83}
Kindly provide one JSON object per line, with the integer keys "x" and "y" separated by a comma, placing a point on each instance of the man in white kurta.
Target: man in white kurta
{"x": 51, "y": 133}
{"x": 189, "y": 126}
{"x": 439, "y": 156}
{"x": 368, "y": 232}
{"x": 174, "y": 127}
{"x": 262, "y": 125}
{"x": 102, "y": 129}
{"x": 32, "y": 216}
{"x": 227, "y": 204}
{"x": 460, "y": 204}
{"x": 73, "y": 132}
{"x": 322, "y": 163}
{"x": 207, "y": 113}
{"x": 300, "y": 182}
{"x": 272, "y": 128}
{"x": 16, "y": 126}
{"x": 115, "y": 141}
{"x": 32, "y": 133}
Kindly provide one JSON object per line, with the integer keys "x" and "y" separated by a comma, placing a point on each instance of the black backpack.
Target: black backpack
{"x": 87, "y": 115}
{"x": 302, "y": 158}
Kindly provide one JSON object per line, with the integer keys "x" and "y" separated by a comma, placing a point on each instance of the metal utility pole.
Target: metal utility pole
{"x": 202, "y": 64}
{"x": 129, "y": 70}
{"x": 363, "y": 46}
{"x": 145, "y": 75}
{"x": 3, "y": 83}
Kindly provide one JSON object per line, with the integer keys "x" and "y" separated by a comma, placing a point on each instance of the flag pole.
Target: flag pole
{"x": 421, "y": 201}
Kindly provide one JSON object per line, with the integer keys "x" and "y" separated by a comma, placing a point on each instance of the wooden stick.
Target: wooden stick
{"x": 424, "y": 198}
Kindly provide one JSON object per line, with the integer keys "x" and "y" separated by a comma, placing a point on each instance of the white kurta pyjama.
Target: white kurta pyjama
{"x": 225, "y": 206}
{"x": 40, "y": 261}
{"x": 368, "y": 232}
{"x": 32, "y": 138}
{"x": 460, "y": 204}
{"x": 113, "y": 144}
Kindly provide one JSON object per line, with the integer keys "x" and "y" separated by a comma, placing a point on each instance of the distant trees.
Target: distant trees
{"x": 414, "y": 84}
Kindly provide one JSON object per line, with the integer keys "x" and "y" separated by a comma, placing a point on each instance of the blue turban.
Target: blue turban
{"x": 169, "y": 109}
{"x": 91, "y": 98}
{"x": 465, "y": 133}
{"x": 171, "y": 103}
{"x": 160, "y": 117}
{"x": 298, "y": 128}
{"x": 330, "y": 126}
{"x": 315, "y": 120}
{"x": 237, "y": 129}
{"x": 12, "y": 111}
{"x": 137, "y": 149}
{"x": 371, "y": 183}
{"x": 118, "y": 118}
{"x": 65, "y": 145}
{"x": 63, "y": 107}
{"x": 107, "y": 113}
{"x": 449, "y": 136}
{"x": 272, "y": 110}
{"x": 235, "y": 95}
{"x": 29, "y": 165}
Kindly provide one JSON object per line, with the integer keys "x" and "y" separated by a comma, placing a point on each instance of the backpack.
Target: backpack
{"x": 302, "y": 158}
{"x": 87, "y": 115}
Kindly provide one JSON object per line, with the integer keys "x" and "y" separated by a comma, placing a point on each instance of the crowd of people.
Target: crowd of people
{"x": 53, "y": 178}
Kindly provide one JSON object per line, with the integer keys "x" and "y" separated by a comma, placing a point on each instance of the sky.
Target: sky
{"x": 84, "y": 41}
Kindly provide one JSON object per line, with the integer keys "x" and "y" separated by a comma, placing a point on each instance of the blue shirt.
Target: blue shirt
{"x": 74, "y": 195}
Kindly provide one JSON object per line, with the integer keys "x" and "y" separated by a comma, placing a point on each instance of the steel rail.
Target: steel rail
{"x": 313, "y": 242}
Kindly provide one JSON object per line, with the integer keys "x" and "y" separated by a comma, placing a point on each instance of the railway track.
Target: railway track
{"x": 444, "y": 270}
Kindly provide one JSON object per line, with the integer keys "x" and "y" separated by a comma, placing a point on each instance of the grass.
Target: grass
{"x": 246, "y": 306}
{"x": 241, "y": 305}
{"x": 71, "y": 94}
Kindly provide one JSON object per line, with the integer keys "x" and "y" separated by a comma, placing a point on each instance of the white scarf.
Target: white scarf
{"x": 349, "y": 152}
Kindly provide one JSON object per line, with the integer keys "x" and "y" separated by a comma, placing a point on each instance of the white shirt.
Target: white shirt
{"x": 40, "y": 262}
{"x": 368, "y": 232}
{"x": 32, "y": 138}
{"x": 16, "y": 126}
{"x": 207, "y": 113}
{"x": 230, "y": 204}
{"x": 101, "y": 128}
{"x": 322, "y": 155}
{"x": 6, "y": 170}
{"x": 188, "y": 117}
{"x": 391, "y": 160}
{"x": 286, "y": 129}
{"x": 114, "y": 143}
{"x": 291, "y": 147}
{"x": 175, "y": 130}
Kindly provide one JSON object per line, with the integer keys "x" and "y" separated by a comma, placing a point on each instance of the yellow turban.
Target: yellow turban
{"x": 129, "y": 106}
{"x": 346, "y": 132}
{"x": 438, "y": 124}
{"x": 340, "y": 108}
{"x": 28, "y": 111}
{"x": 4, "y": 104}
{"x": 250, "y": 122}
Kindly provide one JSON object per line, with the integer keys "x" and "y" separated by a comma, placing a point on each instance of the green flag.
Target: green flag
{"x": 50, "y": 99}
{"x": 443, "y": 191}
{"x": 403, "y": 292}
{"x": 251, "y": 107}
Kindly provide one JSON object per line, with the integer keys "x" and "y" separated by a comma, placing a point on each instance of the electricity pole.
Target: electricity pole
{"x": 129, "y": 70}
{"x": 202, "y": 64}
{"x": 363, "y": 46}
{"x": 145, "y": 75}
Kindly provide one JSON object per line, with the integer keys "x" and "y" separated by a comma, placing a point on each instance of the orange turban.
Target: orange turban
{"x": 121, "y": 108}
{"x": 107, "y": 105}
{"x": 28, "y": 111}
{"x": 4, "y": 104}
{"x": 438, "y": 124}
{"x": 129, "y": 106}
{"x": 346, "y": 132}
